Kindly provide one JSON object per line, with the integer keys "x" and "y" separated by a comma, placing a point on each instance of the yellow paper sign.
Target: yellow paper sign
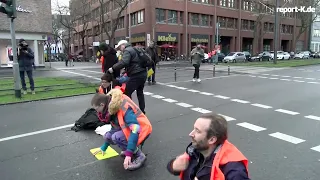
{"x": 110, "y": 152}
{"x": 150, "y": 72}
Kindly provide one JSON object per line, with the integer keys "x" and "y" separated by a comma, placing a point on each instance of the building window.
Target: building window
{"x": 172, "y": 16}
{"x": 204, "y": 20}
{"x": 271, "y": 27}
{"x": 316, "y": 33}
{"x": 121, "y": 23}
{"x": 231, "y": 4}
{"x": 222, "y": 22}
{"x": 160, "y": 15}
{"x": 195, "y": 19}
{"x": 245, "y": 5}
{"x": 140, "y": 15}
{"x": 252, "y": 25}
{"x": 181, "y": 17}
{"x": 244, "y": 24}
{"x": 223, "y": 3}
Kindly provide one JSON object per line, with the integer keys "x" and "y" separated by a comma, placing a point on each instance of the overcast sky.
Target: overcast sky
{"x": 54, "y": 4}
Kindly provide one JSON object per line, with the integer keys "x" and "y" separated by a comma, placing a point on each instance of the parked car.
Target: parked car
{"x": 248, "y": 55}
{"x": 235, "y": 57}
{"x": 283, "y": 56}
{"x": 263, "y": 56}
{"x": 302, "y": 55}
{"x": 206, "y": 59}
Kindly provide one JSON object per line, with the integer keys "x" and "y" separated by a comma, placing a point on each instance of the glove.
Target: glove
{"x": 110, "y": 70}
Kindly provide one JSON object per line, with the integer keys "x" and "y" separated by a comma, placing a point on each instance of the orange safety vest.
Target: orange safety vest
{"x": 145, "y": 125}
{"x": 102, "y": 63}
{"x": 227, "y": 153}
{"x": 122, "y": 87}
{"x": 101, "y": 90}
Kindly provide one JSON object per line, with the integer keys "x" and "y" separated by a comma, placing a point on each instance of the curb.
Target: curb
{"x": 46, "y": 99}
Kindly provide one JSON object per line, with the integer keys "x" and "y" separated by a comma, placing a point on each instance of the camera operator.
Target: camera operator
{"x": 26, "y": 64}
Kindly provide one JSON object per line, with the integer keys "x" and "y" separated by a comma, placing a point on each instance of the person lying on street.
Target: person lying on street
{"x": 130, "y": 127}
{"x": 210, "y": 155}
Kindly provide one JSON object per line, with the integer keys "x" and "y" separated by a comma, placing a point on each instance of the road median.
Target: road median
{"x": 280, "y": 63}
{"x": 46, "y": 88}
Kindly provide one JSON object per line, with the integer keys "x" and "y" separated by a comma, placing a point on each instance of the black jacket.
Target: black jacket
{"x": 153, "y": 53}
{"x": 26, "y": 59}
{"x": 130, "y": 61}
{"x": 110, "y": 59}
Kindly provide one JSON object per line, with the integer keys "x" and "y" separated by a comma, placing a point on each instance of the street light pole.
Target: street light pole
{"x": 217, "y": 34}
{"x": 129, "y": 9}
{"x": 276, "y": 33}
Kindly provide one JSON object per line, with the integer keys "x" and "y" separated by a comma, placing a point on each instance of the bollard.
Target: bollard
{"x": 228, "y": 70}
{"x": 214, "y": 70}
{"x": 175, "y": 74}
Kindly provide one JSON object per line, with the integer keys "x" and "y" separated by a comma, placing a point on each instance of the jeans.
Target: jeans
{"x": 196, "y": 71}
{"x": 116, "y": 137}
{"x": 153, "y": 75}
{"x": 136, "y": 83}
{"x": 23, "y": 82}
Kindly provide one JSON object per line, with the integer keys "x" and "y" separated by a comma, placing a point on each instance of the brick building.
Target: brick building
{"x": 33, "y": 23}
{"x": 154, "y": 19}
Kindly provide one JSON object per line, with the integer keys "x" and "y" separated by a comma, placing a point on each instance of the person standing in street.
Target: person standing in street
{"x": 152, "y": 51}
{"x": 110, "y": 58}
{"x": 135, "y": 70}
{"x": 210, "y": 155}
{"x": 197, "y": 54}
{"x": 26, "y": 64}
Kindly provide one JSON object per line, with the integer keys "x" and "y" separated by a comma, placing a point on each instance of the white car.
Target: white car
{"x": 302, "y": 55}
{"x": 235, "y": 57}
{"x": 272, "y": 54}
{"x": 283, "y": 56}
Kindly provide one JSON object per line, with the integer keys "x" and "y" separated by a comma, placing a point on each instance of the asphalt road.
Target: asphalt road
{"x": 273, "y": 119}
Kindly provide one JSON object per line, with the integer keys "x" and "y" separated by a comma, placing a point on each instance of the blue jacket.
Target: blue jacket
{"x": 200, "y": 167}
{"x": 26, "y": 60}
{"x": 131, "y": 120}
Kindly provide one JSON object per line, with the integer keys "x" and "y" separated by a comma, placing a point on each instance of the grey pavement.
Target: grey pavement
{"x": 273, "y": 120}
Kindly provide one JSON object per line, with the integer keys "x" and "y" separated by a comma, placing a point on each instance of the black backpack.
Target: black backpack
{"x": 145, "y": 58}
{"x": 89, "y": 120}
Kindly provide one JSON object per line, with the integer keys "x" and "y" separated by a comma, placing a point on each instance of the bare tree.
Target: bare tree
{"x": 306, "y": 18}
{"x": 110, "y": 14}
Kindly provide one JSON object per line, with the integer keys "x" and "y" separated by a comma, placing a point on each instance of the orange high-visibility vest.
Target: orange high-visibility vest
{"x": 101, "y": 90}
{"x": 122, "y": 87}
{"x": 145, "y": 125}
{"x": 227, "y": 153}
{"x": 102, "y": 63}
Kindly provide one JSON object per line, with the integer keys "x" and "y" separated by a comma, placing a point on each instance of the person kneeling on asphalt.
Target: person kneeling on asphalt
{"x": 107, "y": 79}
{"x": 210, "y": 156}
{"x": 130, "y": 127}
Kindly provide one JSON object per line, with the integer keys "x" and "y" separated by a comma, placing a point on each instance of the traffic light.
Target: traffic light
{"x": 219, "y": 39}
{"x": 8, "y": 7}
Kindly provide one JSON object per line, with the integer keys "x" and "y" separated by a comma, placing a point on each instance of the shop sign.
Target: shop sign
{"x": 141, "y": 37}
{"x": 167, "y": 37}
{"x": 199, "y": 38}
{"x": 20, "y": 9}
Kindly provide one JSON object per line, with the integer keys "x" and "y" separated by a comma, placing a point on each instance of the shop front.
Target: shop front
{"x": 167, "y": 44}
{"x": 138, "y": 40}
{"x": 200, "y": 39}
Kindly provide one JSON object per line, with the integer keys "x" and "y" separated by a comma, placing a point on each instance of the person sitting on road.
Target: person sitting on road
{"x": 107, "y": 79}
{"x": 130, "y": 126}
{"x": 210, "y": 155}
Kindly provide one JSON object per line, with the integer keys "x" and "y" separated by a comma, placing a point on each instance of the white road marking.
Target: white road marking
{"x": 262, "y": 106}
{"x": 227, "y": 117}
{"x": 317, "y": 148}
{"x": 90, "y": 71}
{"x": 263, "y": 77}
{"x": 274, "y": 75}
{"x": 84, "y": 75}
{"x": 252, "y": 76}
{"x": 147, "y": 93}
{"x": 287, "y": 138}
{"x": 297, "y": 77}
{"x": 313, "y": 117}
{"x": 240, "y": 101}
{"x": 170, "y": 85}
{"x": 206, "y": 93}
{"x": 182, "y": 88}
{"x": 36, "y": 132}
{"x": 251, "y": 126}
{"x": 285, "y": 76}
{"x": 184, "y": 105}
{"x": 193, "y": 90}
{"x": 266, "y": 74}
{"x": 158, "y": 96}
{"x": 285, "y": 79}
{"x": 287, "y": 112}
{"x": 222, "y": 97}
{"x": 274, "y": 78}
{"x": 298, "y": 81}
{"x": 313, "y": 82}
{"x": 311, "y": 78}
{"x": 200, "y": 110}
{"x": 219, "y": 77}
{"x": 170, "y": 100}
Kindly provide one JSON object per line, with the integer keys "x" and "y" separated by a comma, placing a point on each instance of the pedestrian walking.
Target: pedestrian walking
{"x": 152, "y": 51}
{"x": 210, "y": 155}
{"x": 26, "y": 65}
{"x": 197, "y": 54}
{"x": 109, "y": 59}
{"x": 130, "y": 127}
{"x": 136, "y": 71}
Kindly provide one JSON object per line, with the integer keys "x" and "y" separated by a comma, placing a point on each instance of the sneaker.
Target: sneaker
{"x": 122, "y": 154}
{"x": 33, "y": 92}
{"x": 199, "y": 80}
{"x": 24, "y": 92}
{"x": 154, "y": 82}
{"x": 194, "y": 80}
{"x": 138, "y": 161}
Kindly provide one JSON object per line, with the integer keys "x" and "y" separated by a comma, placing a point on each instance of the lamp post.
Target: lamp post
{"x": 276, "y": 33}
